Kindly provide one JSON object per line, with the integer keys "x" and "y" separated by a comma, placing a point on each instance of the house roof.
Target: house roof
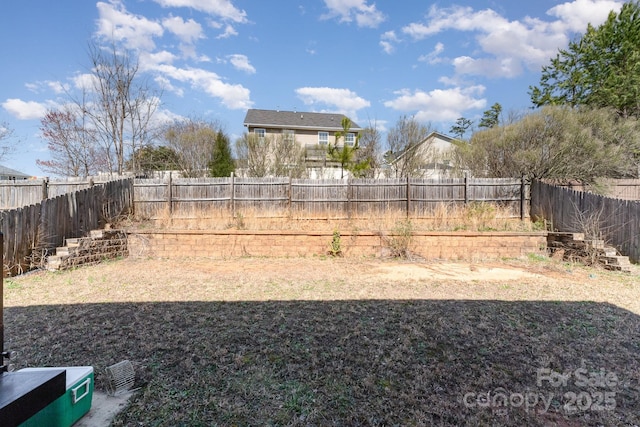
{"x": 296, "y": 120}
{"x": 432, "y": 136}
{"x": 5, "y": 171}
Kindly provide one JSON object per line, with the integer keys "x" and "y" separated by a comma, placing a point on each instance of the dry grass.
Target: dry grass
{"x": 444, "y": 217}
{"x": 339, "y": 341}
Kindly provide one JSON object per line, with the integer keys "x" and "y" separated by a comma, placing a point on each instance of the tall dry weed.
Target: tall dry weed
{"x": 444, "y": 217}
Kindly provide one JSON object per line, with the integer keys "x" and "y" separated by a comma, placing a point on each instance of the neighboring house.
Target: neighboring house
{"x": 430, "y": 158}
{"x": 11, "y": 174}
{"x": 309, "y": 129}
{"x": 313, "y": 131}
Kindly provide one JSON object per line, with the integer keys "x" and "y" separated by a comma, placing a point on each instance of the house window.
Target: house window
{"x": 323, "y": 138}
{"x": 260, "y": 133}
{"x": 350, "y": 139}
{"x": 288, "y": 135}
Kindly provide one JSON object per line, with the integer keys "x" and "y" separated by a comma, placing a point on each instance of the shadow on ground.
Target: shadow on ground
{"x": 374, "y": 362}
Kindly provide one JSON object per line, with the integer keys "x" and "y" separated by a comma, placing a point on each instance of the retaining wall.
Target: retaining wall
{"x": 100, "y": 245}
{"x": 462, "y": 245}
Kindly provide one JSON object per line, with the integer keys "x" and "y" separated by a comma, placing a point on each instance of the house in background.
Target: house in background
{"x": 313, "y": 131}
{"x": 11, "y": 174}
{"x": 433, "y": 158}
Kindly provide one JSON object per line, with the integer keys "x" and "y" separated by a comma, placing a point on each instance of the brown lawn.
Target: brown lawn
{"x": 331, "y": 341}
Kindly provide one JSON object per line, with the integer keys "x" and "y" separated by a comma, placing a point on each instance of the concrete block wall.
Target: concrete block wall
{"x": 98, "y": 246}
{"x": 470, "y": 246}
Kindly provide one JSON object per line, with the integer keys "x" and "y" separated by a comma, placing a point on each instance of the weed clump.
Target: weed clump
{"x": 335, "y": 248}
{"x": 399, "y": 242}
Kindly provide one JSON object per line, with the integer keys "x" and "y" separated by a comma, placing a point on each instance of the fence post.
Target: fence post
{"x": 466, "y": 188}
{"x": 232, "y": 200}
{"x": 349, "y": 197}
{"x": 2, "y": 298}
{"x": 408, "y": 198}
{"x": 289, "y": 195}
{"x": 45, "y": 188}
{"x": 170, "y": 195}
{"x": 523, "y": 190}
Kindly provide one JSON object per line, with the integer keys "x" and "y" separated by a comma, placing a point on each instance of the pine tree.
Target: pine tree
{"x": 222, "y": 163}
{"x": 600, "y": 69}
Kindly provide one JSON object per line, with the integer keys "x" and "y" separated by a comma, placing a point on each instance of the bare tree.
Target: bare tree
{"x": 288, "y": 158}
{"x": 193, "y": 141}
{"x": 253, "y": 153}
{"x": 270, "y": 155}
{"x": 6, "y": 133}
{"x": 405, "y": 156}
{"x": 123, "y": 106}
{"x": 71, "y": 143}
{"x": 369, "y": 150}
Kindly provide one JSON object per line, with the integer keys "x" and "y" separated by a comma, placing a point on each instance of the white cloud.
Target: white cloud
{"x": 489, "y": 67}
{"x": 241, "y": 62}
{"x": 232, "y": 96}
{"x": 53, "y": 85}
{"x": 221, "y": 8}
{"x": 438, "y": 105}
{"x": 342, "y": 100}
{"x": 149, "y": 60}
{"x": 166, "y": 85}
{"x": 84, "y": 82}
{"x": 387, "y": 41}
{"x": 115, "y": 22}
{"x": 510, "y": 46}
{"x": 25, "y": 110}
{"x": 187, "y": 31}
{"x": 57, "y": 87}
{"x": 229, "y": 31}
{"x": 576, "y": 14}
{"x": 364, "y": 14}
{"x": 163, "y": 116}
{"x": 433, "y": 57}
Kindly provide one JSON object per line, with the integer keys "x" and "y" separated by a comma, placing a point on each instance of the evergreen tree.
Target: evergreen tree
{"x": 461, "y": 127}
{"x": 222, "y": 163}
{"x": 149, "y": 158}
{"x": 600, "y": 69}
{"x": 491, "y": 117}
{"x": 345, "y": 153}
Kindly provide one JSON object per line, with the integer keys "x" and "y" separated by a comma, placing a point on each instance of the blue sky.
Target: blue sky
{"x": 214, "y": 59}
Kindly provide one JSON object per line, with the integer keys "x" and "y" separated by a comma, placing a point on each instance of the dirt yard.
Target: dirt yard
{"x": 331, "y": 341}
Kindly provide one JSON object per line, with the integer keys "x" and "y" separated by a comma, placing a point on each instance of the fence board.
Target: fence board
{"x": 626, "y": 189}
{"x": 16, "y": 194}
{"x": 572, "y": 211}
{"x": 32, "y": 231}
{"x": 324, "y": 197}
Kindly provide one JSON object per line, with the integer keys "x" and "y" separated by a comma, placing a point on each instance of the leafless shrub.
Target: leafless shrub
{"x": 400, "y": 240}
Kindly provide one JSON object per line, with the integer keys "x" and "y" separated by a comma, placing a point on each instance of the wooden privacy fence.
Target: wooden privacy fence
{"x": 16, "y": 194}
{"x": 617, "y": 220}
{"x": 33, "y": 231}
{"x": 181, "y": 197}
{"x": 627, "y": 189}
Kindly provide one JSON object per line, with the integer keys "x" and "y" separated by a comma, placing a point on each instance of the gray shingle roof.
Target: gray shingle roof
{"x": 296, "y": 120}
{"x": 8, "y": 172}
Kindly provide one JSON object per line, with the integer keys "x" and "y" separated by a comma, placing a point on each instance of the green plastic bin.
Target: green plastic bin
{"x": 71, "y": 406}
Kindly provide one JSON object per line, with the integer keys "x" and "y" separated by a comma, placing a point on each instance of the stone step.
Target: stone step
{"x": 97, "y": 234}
{"x": 65, "y": 250}
{"x": 72, "y": 242}
{"x": 55, "y": 261}
{"x": 594, "y": 244}
{"x": 97, "y": 246}
{"x": 608, "y": 251}
{"x": 623, "y": 268}
{"x": 618, "y": 260}
{"x": 560, "y": 236}
{"x": 575, "y": 244}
